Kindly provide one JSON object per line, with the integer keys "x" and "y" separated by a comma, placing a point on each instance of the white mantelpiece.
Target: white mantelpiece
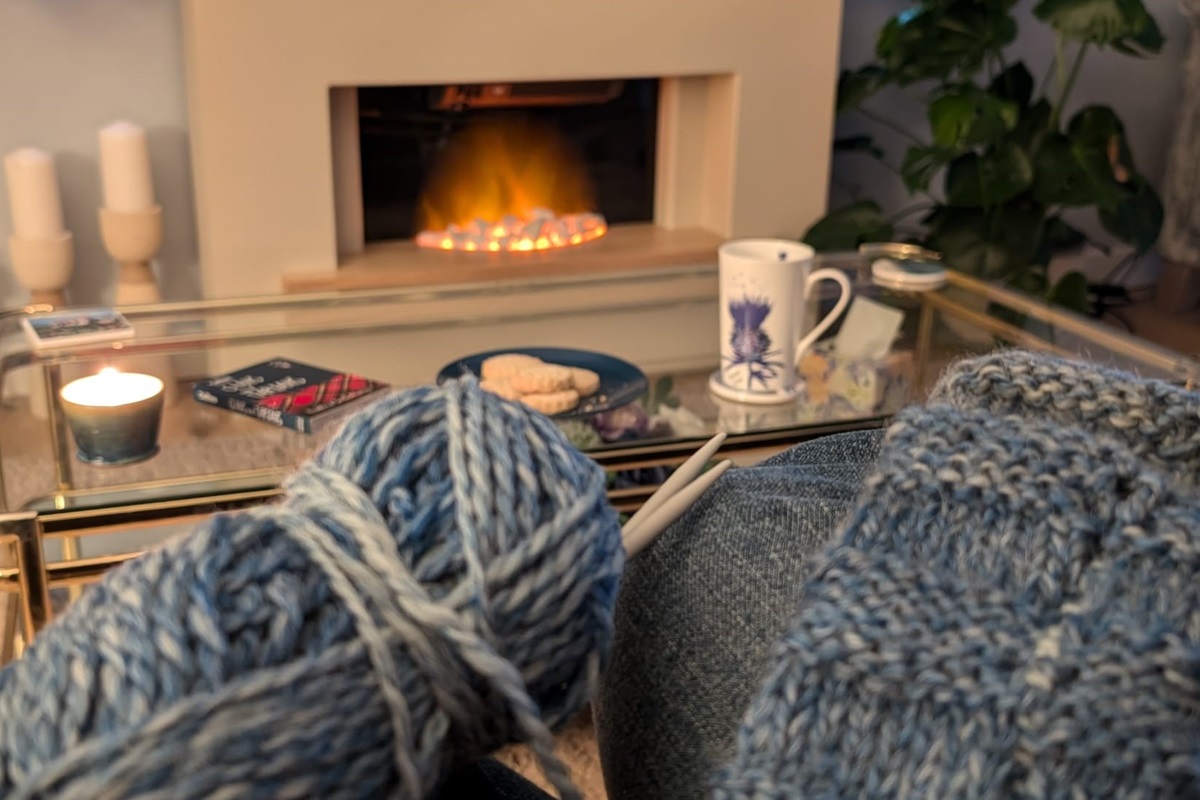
{"x": 745, "y": 119}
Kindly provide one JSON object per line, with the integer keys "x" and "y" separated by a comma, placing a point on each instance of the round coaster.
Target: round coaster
{"x": 909, "y": 276}
{"x": 718, "y": 387}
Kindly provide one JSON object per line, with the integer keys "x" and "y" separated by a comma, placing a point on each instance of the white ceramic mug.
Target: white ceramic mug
{"x": 765, "y": 285}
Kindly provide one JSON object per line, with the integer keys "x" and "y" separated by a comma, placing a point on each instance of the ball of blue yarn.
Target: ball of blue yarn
{"x": 437, "y": 581}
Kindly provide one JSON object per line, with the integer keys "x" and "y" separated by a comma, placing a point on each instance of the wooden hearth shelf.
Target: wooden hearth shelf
{"x": 626, "y": 248}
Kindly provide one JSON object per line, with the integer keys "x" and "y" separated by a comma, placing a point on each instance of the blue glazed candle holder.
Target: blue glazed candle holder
{"x": 114, "y": 416}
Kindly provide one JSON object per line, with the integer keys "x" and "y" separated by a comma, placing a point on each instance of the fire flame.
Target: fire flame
{"x": 508, "y": 185}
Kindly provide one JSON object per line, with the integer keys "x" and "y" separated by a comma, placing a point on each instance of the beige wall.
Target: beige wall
{"x": 259, "y": 74}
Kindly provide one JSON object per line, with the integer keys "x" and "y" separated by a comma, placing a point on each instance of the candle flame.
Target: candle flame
{"x": 110, "y": 387}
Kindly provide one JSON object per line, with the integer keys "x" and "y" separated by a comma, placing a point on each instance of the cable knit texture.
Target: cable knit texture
{"x": 1013, "y": 609}
{"x": 438, "y": 581}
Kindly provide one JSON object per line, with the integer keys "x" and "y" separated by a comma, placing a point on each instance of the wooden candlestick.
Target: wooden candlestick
{"x": 133, "y": 239}
{"x": 43, "y": 266}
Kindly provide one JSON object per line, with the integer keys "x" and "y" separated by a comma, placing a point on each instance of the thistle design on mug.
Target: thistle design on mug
{"x": 749, "y": 344}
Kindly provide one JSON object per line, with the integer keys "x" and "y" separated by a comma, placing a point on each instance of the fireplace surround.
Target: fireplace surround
{"x": 745, "y": 122}
{"x": 745, "y": 110}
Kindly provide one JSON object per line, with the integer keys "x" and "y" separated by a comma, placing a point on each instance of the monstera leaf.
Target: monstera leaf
{"x": 1123, "y": 24}
{"x": 855, "y": 86}
{"x": 998, "y": 243}
{"x": 990, "y": 179}
{"x": 1014, "y": 84}
{"x": 933, "y": 41}
{"x": 966, "y": 115}
{"x": 921, "y": 163}
{"x": 1098, "y": 144}
{"x": 848, "y": 227}
{"x": 1071, "y": 291}
{"x": 1137, "y": 218}
{"x": 1059, "y": 178}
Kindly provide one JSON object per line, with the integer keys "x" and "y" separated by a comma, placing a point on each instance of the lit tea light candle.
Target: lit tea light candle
{"x": 114, "y": 416}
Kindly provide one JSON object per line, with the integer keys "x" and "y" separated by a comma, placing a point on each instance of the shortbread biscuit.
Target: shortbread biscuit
{"x": 501, "y": 387}
{"x": 584, "y": 380}
{"x": 542, "y": 379}
{"x": 552, "y": 402}
{"x": 506, "y": 365}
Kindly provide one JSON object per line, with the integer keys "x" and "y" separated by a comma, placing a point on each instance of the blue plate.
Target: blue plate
{"x": 620, "y": 382}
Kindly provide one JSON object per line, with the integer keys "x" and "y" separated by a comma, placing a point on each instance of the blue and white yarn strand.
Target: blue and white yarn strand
{"x": 437, "y": 582}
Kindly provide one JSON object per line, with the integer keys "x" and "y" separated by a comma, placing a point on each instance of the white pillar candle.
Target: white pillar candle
{"x": 125, "y": 168}
{"x": 33, "y": 197}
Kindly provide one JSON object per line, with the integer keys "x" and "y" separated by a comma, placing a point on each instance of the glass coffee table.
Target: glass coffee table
{"x": 57, "y": 512}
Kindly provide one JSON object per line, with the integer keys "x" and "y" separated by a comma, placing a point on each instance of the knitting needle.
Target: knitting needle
{"x": 678, "y": 493}
{"x": 683, "y": 475}
{"x": 670, "y": 510}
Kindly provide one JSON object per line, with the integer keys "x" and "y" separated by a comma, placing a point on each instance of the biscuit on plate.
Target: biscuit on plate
{"x": 501, "y": 387}
{"x": 552, "y": 402}
{"x": 542, "y": 379}
{"x": 506, "y": 365}
{"x": 584, "y": 380}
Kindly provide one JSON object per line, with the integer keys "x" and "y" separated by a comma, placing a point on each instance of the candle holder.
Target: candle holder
{"x": 133, "y": 239}
{"x": 43, "y": 266}
{"x": 114, "y": 416}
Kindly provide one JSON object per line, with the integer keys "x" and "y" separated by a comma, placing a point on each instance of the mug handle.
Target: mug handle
{"x": 838, "y": 277}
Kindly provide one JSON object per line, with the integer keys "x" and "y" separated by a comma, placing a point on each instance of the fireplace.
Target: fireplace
{"x": 505, "y": 167}
{"x": 742, "y": 124}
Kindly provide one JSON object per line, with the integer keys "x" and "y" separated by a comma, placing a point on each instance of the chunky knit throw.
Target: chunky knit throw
{"x": 1013, "y": 610}
{"x": 438, "y": 581}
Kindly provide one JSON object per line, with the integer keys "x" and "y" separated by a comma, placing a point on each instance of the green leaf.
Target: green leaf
{"x": 1033, "y": 126}
{"x": 1059, "y": 179}
{"x": 1030, "y": 281}
{"x": 1100, "y": 148}
{"x": 990, "y": 179}
{"x": 1057, "y": 237}
{"x": 994, "y": 243}
{"x": 848, "y": 227}
{"x": 921, "y": 163}
{"x": 858, "y": 144}
{"x": 1137, "y": 218}
{"x": 931, "y": 41}
{"x": 1071, "y": 291}
{"x": 1148, "y": 41}
{"x": 967, "y": 115}
{"x": 856, "y": 86}
{"x": 1124, "y": 23}
{"x": 950, "y": 118}
{"x": 1014, "y": 85}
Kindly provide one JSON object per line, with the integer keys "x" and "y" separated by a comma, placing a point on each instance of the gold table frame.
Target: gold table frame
{"x": 23, "y": 532}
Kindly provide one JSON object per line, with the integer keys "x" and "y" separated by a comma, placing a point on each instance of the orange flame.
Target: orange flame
{"x": 504, "y": 167}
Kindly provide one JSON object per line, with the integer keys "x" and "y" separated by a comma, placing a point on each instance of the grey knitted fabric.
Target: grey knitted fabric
{"x": 1013, "y": 610}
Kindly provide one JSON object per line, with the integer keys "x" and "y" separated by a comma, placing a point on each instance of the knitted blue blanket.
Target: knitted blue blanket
{"x": 1013, "y": 610}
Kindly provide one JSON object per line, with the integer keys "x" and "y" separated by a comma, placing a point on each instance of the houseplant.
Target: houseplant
{"x": 1002, "y": 159}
